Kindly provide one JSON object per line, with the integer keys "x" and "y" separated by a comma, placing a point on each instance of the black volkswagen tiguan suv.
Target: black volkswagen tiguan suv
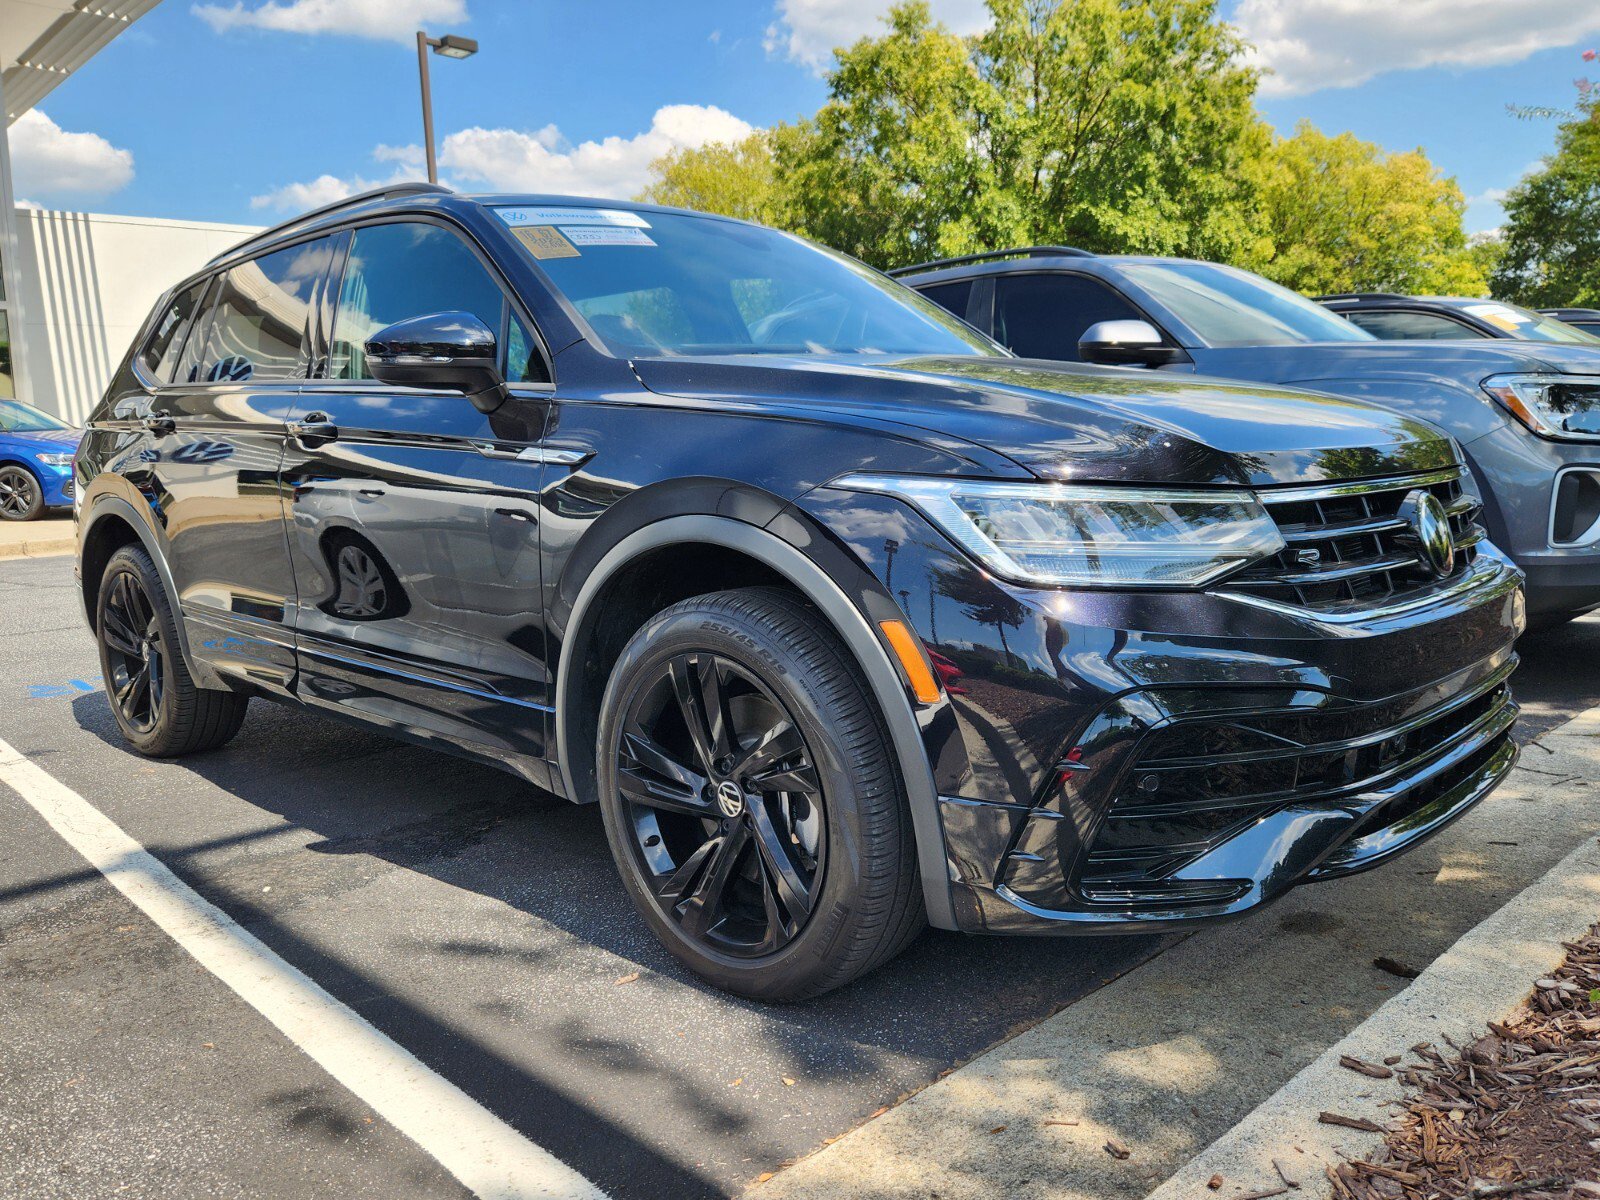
{"x": 847, "y": 618}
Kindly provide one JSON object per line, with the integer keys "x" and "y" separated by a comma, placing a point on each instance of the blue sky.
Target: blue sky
{"x": 246, "y": 110}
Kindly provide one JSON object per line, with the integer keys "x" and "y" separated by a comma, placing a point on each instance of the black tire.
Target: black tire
{"x": 155, "y": 701}
{"x": 818, "y": 768}
{"x": 21, "y": 496}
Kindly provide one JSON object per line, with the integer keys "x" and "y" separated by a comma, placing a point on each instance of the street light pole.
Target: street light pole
{"x": 449, "y": 46}
{"x": 423, "y": 42}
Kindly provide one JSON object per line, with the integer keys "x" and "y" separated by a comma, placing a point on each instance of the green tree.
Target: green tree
{"x": 736, "y": 180}
{"x": 1344, "y": 215}
{"x": 1121, "y": 125}
{"x": 1552, "y": 229}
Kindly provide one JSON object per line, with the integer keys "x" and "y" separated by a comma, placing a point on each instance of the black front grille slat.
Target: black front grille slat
{"x": 1351, "y": 549}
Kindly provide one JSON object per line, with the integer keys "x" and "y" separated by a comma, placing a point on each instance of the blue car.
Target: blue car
{"x": 35, "y": 461}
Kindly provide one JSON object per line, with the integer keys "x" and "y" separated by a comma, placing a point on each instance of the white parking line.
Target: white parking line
{"x": 489, "y": 1157}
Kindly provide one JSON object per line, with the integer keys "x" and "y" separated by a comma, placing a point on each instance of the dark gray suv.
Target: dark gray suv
{"x": 1527, "y": 415}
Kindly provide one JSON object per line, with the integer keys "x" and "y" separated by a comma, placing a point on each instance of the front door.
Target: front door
{"x": 413, "y": 517}
{"x": 216, "y": 431}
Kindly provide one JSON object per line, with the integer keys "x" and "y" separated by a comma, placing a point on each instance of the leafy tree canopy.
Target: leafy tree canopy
{"x": 1121, "y": 126}
{"x": 1551, "y": 236}
{"x": 1344, "y": 215}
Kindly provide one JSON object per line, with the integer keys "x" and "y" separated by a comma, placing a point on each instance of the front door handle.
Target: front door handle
{"x": 314, "y": 429}
{"x": 515, "y": 514}
{"x": 158, "y": 422}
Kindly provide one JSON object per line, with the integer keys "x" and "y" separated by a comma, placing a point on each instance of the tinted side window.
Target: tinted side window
{"x": 1043, "y": 316}
{"x": 1407, "y": 326}
{"x": 411, "y": 269}
{"x": 160, "y": 353}
{"x": 257, "y": 329}
{"x": 953, "y": 296}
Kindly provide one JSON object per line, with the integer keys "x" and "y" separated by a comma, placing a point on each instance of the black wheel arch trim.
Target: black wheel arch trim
{"x": 97, "y": 510}
{"x": 847, "y": 621}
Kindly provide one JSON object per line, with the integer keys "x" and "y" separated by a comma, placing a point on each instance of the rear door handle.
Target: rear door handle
{"x": 314, "y": 429}
{"x": 515, "y": 514}
{"x": 158, "y": 422}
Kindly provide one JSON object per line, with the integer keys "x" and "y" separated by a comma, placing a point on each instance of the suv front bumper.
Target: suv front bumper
{"x": 1115, "y": 761}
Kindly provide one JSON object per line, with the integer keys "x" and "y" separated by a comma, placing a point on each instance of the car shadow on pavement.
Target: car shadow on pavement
{"x": 660, "y": 1079}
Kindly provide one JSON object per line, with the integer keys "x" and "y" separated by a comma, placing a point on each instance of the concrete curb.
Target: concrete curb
{"x": 1482, "y": 978}
{"x": 40, "y": 548}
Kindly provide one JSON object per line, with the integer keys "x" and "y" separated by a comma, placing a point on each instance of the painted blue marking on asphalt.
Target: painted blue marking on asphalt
{"x": 63, "y": 691}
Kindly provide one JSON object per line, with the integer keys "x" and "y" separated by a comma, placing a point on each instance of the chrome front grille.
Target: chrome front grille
{"x": 1347, "y": 547}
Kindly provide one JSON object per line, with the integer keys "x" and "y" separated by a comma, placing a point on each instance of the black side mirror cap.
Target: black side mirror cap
{"x": 448, "y": 351}
{"x": 1127, "y": 344}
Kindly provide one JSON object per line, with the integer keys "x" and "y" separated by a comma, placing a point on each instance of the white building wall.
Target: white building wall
{"x": 88, "y": 282}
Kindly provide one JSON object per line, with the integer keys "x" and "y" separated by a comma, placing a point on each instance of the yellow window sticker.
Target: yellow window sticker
{"x": 544, "y": 241}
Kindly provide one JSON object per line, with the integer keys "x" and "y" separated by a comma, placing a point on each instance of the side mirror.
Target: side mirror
{"x": 1126, "y": 344}
{"x": 448, "y": 351}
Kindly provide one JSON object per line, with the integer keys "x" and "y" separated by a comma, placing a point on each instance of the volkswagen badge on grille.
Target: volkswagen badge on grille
{"x": 1430, "y": 531}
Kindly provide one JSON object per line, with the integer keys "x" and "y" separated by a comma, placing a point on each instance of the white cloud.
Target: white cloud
{"x": 1314, "y": 44}
{"x": 542, "y": 161}
{"x": 384, "y": 20}
{"x": 516, "y": 160}
{"x": 47, "y": 160}
{"x": 808, "y": 31}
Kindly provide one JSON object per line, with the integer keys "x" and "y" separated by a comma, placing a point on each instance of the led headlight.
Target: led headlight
{"x": 56, "y": 460}
{"x": 1091, "y": 536}
{"x": 1554, "y": 406}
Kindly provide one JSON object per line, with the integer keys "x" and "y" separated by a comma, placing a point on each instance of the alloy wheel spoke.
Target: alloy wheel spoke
{"x": 661, "y": 794}
{"x": 118, "y": 634}
{"x": 672, "y": 888}
{"x": 650, "y": 755}
{"x": 782, "y": 875}
{"x": 768, "y": 751}
{"x": 795, "y": 774}
{"x": 697, "y": 683}
{"x": 158, "y": 677}
{"x": 704, "y": 905}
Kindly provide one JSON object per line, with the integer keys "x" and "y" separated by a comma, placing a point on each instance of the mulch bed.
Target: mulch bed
{"x": 1517, "y": 1113}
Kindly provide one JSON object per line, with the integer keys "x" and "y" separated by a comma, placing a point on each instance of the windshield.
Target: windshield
{"x": 17, "y": 417}
{"x": 1228, "y": 307}
{"x": 1528, "y": 325}
{"x": 652, "y": 284}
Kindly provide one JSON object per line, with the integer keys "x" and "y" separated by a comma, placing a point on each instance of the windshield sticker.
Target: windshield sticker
{"x": 1498, "y": 314}
{"x": 595, "y": 235}
{"x": 544, "y": 241}
{"x": 572, "y": 216}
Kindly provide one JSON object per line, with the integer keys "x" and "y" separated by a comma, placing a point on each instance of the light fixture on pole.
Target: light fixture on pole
{"x": 449, "y": 46}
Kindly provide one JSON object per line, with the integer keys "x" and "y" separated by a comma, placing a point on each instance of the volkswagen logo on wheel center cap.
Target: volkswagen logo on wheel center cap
{"x": 729, "y": 798}
{"x": 1430, "y": 526}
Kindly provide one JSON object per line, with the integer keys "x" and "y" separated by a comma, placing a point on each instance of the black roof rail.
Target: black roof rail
{"x": 390, "y": 192}
{"x": 1360, "y": 296}
{"x": 1017, "y": 252}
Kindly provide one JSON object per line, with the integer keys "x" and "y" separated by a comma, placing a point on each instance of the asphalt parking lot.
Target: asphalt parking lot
{"x": 477, "y": 923}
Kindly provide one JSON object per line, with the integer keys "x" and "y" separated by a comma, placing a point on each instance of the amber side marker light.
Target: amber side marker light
{"x": 909, "y": 652}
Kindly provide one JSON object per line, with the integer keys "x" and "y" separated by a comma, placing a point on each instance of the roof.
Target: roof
{"x": 44, "y": 41}
{"x": 408, "y": 194}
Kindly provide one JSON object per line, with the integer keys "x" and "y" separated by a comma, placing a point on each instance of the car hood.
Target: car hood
{"x": 1080, "y": 423}
{"x": 1468, "y": 361}
{"x": 43, "y": 441}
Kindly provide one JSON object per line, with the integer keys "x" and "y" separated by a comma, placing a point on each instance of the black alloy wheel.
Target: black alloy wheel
{"x": 21, "y": 498}
{"x": 723, "y": 804}
{"x": 156, "y": 703}
{"x": 136, "y": 653}
{"x": 753, "y": 799}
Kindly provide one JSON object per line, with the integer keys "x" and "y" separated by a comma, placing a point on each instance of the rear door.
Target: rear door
{"x": 216, "y": 440}
{"x": 413, "y": 522}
